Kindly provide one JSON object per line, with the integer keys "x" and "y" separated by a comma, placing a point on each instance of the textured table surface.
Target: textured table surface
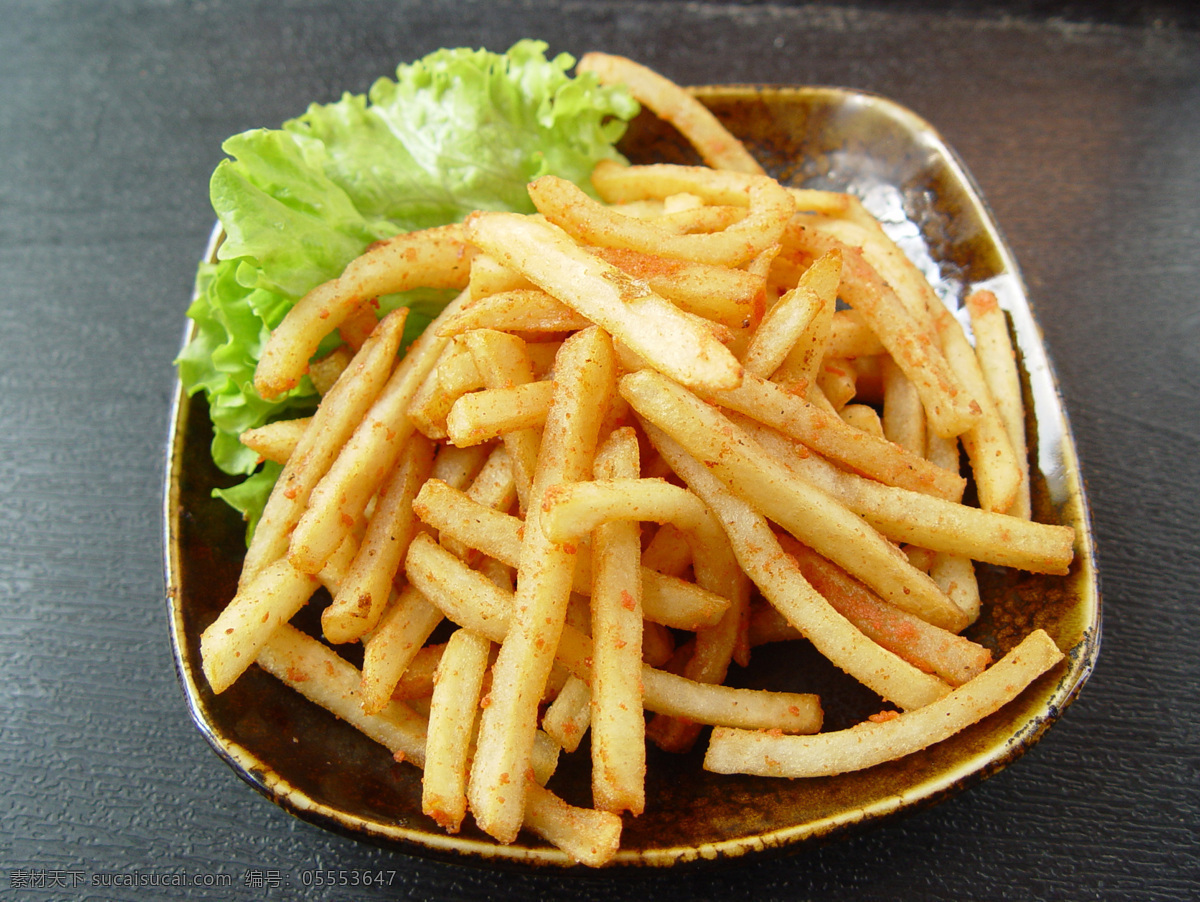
{"x": 1082, "y": 129}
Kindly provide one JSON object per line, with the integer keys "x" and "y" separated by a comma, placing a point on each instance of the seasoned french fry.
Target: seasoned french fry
{"x": 918, "y": 519}
{"x": 950, "y": 408}
{"x": 715, "y": 144}
{"x": 231, "y": 642}
{"x": 870, "y": 743}
{"x": 276, "y": 441}
{"x": 952, "y": 657}
{"x": 327, "y": 679}
{"x": 731, "y": 297}
{"x": 519, "y": 310}
{"x": 584, "y": 374}
{"x": 495, "y": 412}
{"x": 826, "y": 433}
{"x": 797, "y": 326}
{"x": 993, "y": 460}
{"x": 434, "y": 258}
{"x": 570, "y": 714}
{"x": 903, "y": 414}
{"x": 452, "y": 710}
{"x": 618, "y": 724}
{"x": 997, "y": 360}
{"x": 470, "y": 600}
{"x": 504, "y": 364}
{"x": 769, "y": 208}
{"x": 407, "y": 622}
{"x": 360, "y": 599}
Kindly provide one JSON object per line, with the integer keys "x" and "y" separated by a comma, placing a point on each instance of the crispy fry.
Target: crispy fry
{"x": 434, "y": 258}
{"x": 360, "y": 599}
{"x": 869, "y": 743}
{"x": 997, "y": 360}
{"x": 407, "y": 622}
{"x": 950, "y": 407}
{"x": 470, "y": 600}
{"x": 276, "y": 441}
{"x": 826, "y": 433}
{"x": 715, "y": 144}
{"x": 495, "y": 412}
{"x": 452, "y": 712}
{"x": 618, "y": 724}
{"x": 584, "y": 376}
{"x": 993, "y": 460}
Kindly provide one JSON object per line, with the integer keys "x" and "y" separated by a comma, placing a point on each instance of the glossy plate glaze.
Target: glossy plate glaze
{"x": 327, "y": 773}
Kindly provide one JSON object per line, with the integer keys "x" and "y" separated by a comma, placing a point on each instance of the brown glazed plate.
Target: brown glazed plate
{"x": 324, "y": 771}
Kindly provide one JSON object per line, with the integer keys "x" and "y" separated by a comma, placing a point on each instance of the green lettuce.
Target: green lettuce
{"x": 457, "y": 131}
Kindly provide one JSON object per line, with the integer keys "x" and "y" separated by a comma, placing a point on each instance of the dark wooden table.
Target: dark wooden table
{"x": 1080, "y": 123}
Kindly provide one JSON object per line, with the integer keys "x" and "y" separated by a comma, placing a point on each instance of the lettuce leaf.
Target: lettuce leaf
{"x": 457, "y": 131}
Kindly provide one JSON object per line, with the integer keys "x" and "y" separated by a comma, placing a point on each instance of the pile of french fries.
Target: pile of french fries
{"x": 643, "y": 439}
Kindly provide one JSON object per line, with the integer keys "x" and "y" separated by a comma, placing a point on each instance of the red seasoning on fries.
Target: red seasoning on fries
{"x": 671, "y": 415}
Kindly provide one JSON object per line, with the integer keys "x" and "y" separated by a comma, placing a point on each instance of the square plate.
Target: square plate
{"x": 325, "y": 772}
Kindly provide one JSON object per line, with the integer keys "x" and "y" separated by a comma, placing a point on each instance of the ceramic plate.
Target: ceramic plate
{"x": 325, "y": 772}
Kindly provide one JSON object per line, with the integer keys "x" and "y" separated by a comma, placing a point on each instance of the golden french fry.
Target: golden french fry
{"x": 276, "y": 441}
{"x": 394, "y": 643}
{"x": 324, "y": 371}
{"x": 954, "y": 658}
{"x": 570, "y": 714}
{"x": 452, "y": 710}
{"x": 417, "y": 679}
{"x": 231, "y": 642}
{"x": 519, "y": 310}
{"x": 584, "y": 377}
{"x": 731, "y": 297}
{"x": 798, "y": 322}
{"x": 828, "y": 434}
{"x": 327, "y": 679}
{"x": 491, "y": 413}
{"x": 618, "y": 724}
{"x": 934, "y": 523}
{"x": 590, "y": 837}
{"x": 715, "y": 144}
{"x": 993, "y": 459}
{"x": 997, "y": 360}
{"x": 903, "y": 413}
{"x": 360, "y": 599}
{"x": 870, "y": 743}
{"x": 670, "y": 339}
{"x": 503, "y": 363}
{"x": 434, "y": 258}
{"x": 779, "y": 578}
{"x": 950, "y": 408}
{"x": 489, "y": 276}
{"x": 864, "y": 418}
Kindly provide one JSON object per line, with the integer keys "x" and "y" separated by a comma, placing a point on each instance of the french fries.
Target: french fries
{"x": 672, "y": 353}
